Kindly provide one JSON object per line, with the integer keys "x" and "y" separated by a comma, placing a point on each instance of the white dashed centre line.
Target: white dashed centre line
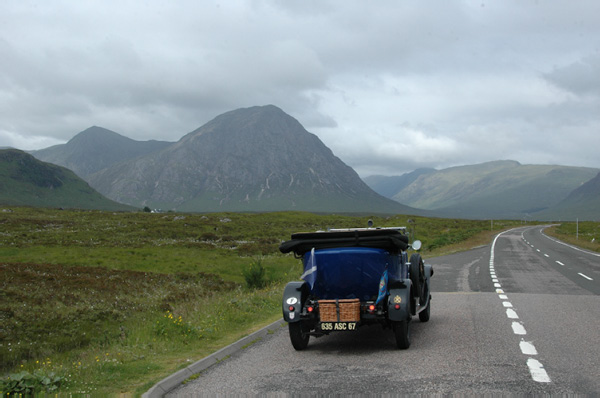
{"x": 536, "y": 369}
{"x": 559, "y": 263}
{"x": 585, "y": 276}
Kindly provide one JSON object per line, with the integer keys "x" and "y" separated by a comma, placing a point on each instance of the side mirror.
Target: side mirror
{"x": 416, "y": 245}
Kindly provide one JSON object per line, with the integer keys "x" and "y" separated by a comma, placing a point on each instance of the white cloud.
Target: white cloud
{"x": 25, "y": 143}
{"x": 388, "y": 86}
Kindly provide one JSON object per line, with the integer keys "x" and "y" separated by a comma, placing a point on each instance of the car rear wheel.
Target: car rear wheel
{"x": 299, "y": 335}
{"x": 417, "y": 274}
{"x": 402, "y": 334}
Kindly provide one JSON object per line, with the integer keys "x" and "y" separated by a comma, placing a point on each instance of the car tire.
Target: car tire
{"x": 426, "y": 313}
{"x": 299, "y": 335}
{"x": 416, "y": 274}
{"x": 402, "y": 334}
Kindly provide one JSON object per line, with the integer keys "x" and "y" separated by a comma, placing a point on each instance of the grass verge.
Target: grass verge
{"x": 110, "y": 303}
{"x": 585, "y": 234}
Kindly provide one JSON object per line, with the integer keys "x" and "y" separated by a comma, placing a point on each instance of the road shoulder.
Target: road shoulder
{"x": 173, "y": 381}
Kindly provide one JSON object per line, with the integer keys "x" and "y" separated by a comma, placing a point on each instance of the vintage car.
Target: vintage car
{"x": 355, "y": 277}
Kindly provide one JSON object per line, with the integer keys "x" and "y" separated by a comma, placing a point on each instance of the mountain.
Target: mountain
{"x": 95, "y": 149}
{"x": 583, "y": 203}
{"x": 500, "y": 189}
{"x": 389, "y": 186}
{"x": 26, "y": 181}
{"x": 251, "y": 159}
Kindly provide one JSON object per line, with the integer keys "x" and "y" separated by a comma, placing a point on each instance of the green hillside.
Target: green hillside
{"x": 26, "y": 181}
{"x": 502, "y": 189}
{"x": 583, "y": 204}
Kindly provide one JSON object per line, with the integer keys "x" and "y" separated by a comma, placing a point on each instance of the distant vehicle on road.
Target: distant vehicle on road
{"x": 355, "y": 277}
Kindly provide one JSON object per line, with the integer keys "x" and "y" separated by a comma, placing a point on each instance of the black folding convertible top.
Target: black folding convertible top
{"x": 391, "y": 240}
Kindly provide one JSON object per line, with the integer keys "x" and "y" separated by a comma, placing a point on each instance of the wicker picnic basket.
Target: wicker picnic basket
{"x": 344, "y": 310}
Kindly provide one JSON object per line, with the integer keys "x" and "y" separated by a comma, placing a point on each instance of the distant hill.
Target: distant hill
{"x": 26, "y": 181}
{"x": 95, "y": 149}
{"x": 390, "y": 186}
{"x": 501, "y": 189}
{"x": 583, "y": 203}
{"x": 251, "y": 159}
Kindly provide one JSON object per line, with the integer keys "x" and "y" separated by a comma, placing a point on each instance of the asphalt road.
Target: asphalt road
{"x": 513, "y": 317}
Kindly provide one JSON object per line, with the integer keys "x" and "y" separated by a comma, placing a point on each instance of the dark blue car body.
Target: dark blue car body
{"x": 352, "y": 272}
{"x": 352, "y": 278}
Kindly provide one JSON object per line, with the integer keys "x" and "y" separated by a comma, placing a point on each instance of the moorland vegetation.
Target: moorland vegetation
{"x": 112, "y": 302}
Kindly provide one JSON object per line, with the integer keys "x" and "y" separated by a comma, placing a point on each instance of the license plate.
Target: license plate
{"x": 334, "y": 326}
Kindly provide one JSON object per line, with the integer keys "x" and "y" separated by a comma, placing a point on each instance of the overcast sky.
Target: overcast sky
{"x": 389, "y": 86}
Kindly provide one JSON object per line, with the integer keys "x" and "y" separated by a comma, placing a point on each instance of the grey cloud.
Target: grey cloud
{"x": 389, "y": 86}
{"x": 581, "y": 78}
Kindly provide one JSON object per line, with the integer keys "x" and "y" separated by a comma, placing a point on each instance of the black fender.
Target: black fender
{"x": 294, "y": 295}
{"x": 428, "y": 274}
{"x": 428, "y": 271}
{"x": 426, "y": 294}
{"x": 400, "y": 294}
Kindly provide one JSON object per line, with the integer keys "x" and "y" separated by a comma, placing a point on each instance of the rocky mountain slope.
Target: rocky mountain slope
{"x": 252, "y": 159}
{"x": 261, "y": 159}
{"x": 95, "y": 149}
{"x": 26, "y": 181}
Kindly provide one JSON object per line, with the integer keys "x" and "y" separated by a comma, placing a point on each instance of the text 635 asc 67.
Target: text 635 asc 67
{"x": 355, "y": 277}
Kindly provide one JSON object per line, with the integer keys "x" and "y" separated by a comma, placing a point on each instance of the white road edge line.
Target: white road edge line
{"x": 538, "y": 373}
{"x": 527, "y": 348}
{"x": 518, "y": 328}
{"x": 536, "y": 369}
{"x": 571, "y": 246}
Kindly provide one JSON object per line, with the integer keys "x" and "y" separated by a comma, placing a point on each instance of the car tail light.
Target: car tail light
{"x": 397, "y": 306}
{"x": 310, "y": 308}
{"x": 371, "y": 308}
{"x": 292, "y": 308}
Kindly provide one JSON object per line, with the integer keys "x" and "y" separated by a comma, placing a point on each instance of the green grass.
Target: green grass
{"x": 111, "y": 303}
{"x": 585, "y": 234}
{"x": 25, "y": 180}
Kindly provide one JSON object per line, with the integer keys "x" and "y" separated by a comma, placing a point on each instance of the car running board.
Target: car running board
{"x": 420, "y": 307}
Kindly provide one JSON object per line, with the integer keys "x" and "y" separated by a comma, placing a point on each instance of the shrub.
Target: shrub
{"x": 29, "y": 384}
{"x": 255, "y": 275}
{"x": 256, "y": 249}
